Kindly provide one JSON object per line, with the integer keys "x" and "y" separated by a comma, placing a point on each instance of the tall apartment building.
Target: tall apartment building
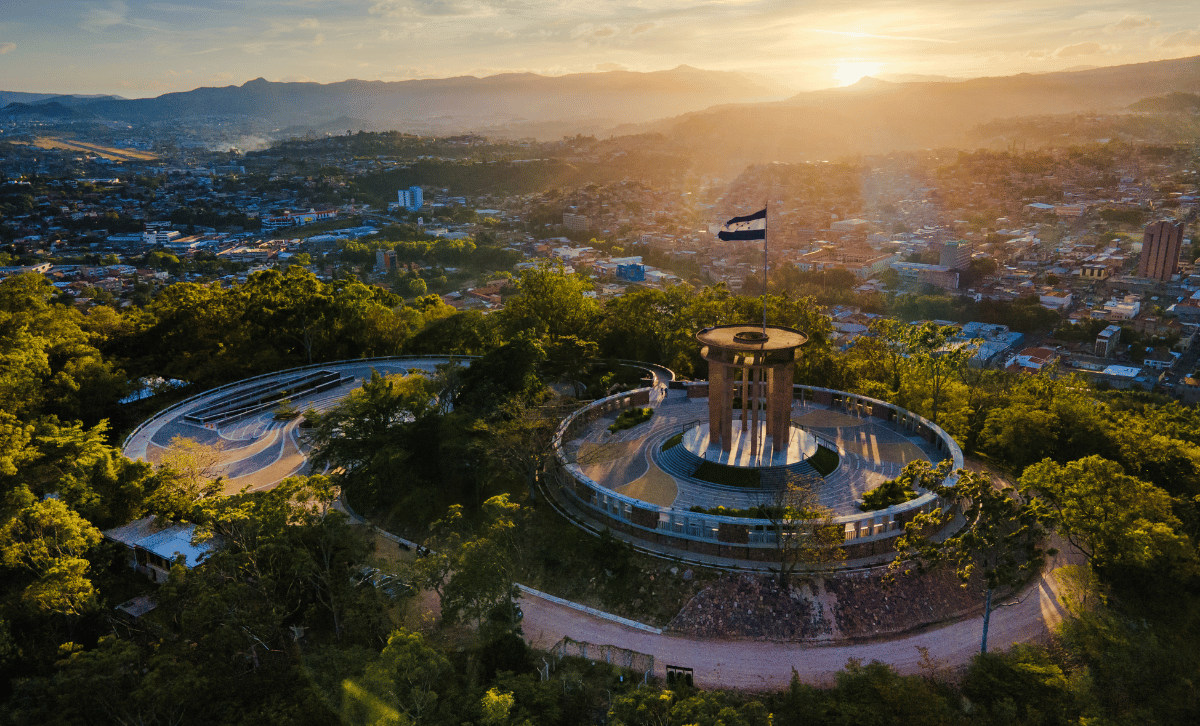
{"x": 576, "y": 222}
{"x": 385, "y": 260}
{"x": 1160, "y": 250}
{"x": 411, "y": 199}
{"x": 955, "y": 255}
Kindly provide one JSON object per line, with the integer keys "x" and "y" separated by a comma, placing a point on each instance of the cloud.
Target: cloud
{"x": 641, "y": 28}
{"x": 588, "y": 31}
{"x": 319, "y": 39}
{"x": 504, "y": 33}
{"x": 1132, "y": 22}
{"x": 7, "y": 48}
{"x": 604, "y": 67}
{"x": 97, "y": 18}
{"x": 404, "y": 73}
{"x": 1183, "y": 37}
{"x": 310, "y": 23}
{"x": 1078, "y": 49}
{"x": 853, "y": 34}
{"x": 419, "y": 8}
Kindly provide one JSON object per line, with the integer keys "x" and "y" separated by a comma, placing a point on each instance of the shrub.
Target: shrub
{"x": 630, "y": 418}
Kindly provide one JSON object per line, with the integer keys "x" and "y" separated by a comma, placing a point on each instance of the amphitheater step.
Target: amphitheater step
{"x": 678, "y": 460}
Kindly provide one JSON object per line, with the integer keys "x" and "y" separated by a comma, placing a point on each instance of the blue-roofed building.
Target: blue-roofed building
{"x": 154, "y": 545}
{"x": 632, "y": 272}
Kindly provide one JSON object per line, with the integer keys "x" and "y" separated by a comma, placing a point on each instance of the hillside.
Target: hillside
{"x": 874, "y": 116}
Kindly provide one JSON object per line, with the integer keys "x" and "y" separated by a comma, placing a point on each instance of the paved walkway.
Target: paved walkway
{"x": 871, "y": 449}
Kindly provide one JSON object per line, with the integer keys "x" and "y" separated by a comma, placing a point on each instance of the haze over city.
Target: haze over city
{"x": 140, "y": 48}
{"x": 610, "y": 363}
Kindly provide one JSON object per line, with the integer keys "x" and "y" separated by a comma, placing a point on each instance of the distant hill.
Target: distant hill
{"x": 516, "y": 100}
{"x": 1170, "y": 103}
{"x": 7, "y": 97}
{"x": 874, "y": 116}
{"x": 49, "y": 109}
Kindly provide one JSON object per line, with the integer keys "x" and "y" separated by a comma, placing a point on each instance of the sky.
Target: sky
{"x": 138, "y": 48}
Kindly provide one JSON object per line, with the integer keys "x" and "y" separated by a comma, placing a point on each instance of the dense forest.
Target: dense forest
{"x": 277, "y": 627}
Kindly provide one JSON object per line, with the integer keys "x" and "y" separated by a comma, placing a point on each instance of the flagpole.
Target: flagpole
{"x": 766, "y": 208}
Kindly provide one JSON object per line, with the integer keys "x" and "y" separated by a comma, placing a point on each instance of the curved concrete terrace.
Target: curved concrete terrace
{"x": 621, "y": 481}
{"x": 257, "y": 452}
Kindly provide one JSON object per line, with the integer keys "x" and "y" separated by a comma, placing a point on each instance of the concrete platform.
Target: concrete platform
{"x": 799, "y": 447}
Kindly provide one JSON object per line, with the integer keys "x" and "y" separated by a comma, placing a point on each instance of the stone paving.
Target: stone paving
{"x": 871, "y": 451}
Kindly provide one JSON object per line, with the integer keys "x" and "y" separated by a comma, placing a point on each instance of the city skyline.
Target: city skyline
{"x": 139, "y": 49}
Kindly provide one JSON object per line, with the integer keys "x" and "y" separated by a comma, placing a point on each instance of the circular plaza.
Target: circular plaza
{"x": 661, "y": 484}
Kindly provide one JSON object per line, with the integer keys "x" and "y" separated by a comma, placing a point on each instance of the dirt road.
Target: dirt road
{"x": 762, "y": 665}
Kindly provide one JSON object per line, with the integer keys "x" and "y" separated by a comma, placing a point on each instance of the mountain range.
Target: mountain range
{"x": 505, "y": 102}
{"x": 724, "y": 115}
{"x": 874, "y": 116}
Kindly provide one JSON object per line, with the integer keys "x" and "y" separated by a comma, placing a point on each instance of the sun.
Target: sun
{"x": 850, "y": 71}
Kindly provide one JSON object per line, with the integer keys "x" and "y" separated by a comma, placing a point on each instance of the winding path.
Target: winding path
{"x": 765, "y": 665}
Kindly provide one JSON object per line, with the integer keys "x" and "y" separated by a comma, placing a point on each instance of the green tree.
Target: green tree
{"x": 936, "y": 360}
{"x": 998, "y": 545}
{"x": 804, "y": 531}
{"x": 362, "y": 437}
{"x": 505, "y": 373}
{"x": 48, "y": 544}
{"x": 116, "y": 681}
{"x": 1115, "y": 520}
{"x": 495, "y": 706}
{"x": 187, "y": 473}
{"x": 550, "y": 303}
{"x": 402, "y": 687}
{"x": 1023, "y": 685}
{"x": 521, "y": 437}
{"x": 482, "y": 576}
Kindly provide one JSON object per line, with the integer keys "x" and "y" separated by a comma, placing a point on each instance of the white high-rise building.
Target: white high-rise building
{"x": 411, "y": 199}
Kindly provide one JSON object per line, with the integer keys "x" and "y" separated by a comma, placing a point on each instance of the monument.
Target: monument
{"x": 752, "y": 364}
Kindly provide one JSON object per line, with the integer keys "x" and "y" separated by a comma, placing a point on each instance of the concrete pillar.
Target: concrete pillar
{"x": 755, "y": 373}
{"x": 745, "y": 395}
{"x": 719, "y": 404}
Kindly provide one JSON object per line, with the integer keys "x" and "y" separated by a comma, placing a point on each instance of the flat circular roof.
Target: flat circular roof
{"x": 750, "y": 337}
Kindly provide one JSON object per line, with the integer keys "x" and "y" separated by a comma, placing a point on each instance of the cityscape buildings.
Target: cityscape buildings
{"x": 1160, "y": 250}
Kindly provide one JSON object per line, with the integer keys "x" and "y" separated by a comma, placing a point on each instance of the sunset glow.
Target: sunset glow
{"x": 138, "y": 48}
{"x": 848, "y": 73}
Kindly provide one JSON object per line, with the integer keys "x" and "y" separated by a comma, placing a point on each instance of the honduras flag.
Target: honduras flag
{"x": 752, "y": 226}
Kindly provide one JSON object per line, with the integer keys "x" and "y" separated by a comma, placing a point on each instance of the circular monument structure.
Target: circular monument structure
{"x": 695, "y": 481}
{"x": 751, "y": 366}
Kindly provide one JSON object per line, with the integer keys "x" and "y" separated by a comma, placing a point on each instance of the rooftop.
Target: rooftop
{"x": 751, "y": 337}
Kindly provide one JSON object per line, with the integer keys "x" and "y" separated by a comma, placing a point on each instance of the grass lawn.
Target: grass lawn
{"x": 629, "y": 418}
{"x": 730, "y": 476}
{"x": 825, "y": 461}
